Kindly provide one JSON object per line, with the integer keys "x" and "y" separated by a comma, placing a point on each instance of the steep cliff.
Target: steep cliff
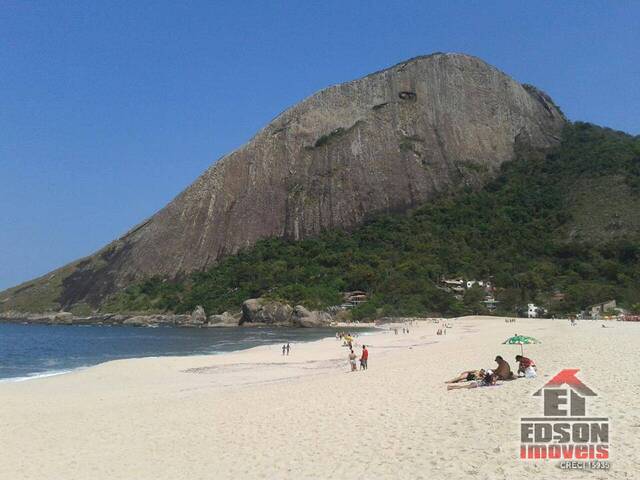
{"x": 385, "y": 142}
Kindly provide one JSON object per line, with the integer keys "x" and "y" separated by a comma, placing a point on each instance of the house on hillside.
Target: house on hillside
{"x": 598, "y": 310}
{"x": 491, "y": 303}
{"x": 352, "y": 299}
{"x": 535, "y": 311}
{"x": 456, "y": 285}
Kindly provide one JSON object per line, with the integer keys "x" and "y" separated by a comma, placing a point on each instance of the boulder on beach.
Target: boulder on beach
{"x": 139, "y": 321}
{"x": 305, "y": 318}
{"x": 63, "y": 317}
{"x": 198, "y": 316}
{"x": 224, "y": 319}
{"x": 263, "y": 311}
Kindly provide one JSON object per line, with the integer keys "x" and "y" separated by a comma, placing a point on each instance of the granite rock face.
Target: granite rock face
{"x": 263, "y": 311}
{"x": 198, "y": 316}
{"x": 382, "y": 143}
{"x": 225, "y": 319}
{"x": 304, "y": 318}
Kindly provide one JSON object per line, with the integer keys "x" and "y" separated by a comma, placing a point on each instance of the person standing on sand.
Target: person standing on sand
{"x": 288, "y": 348}
{"x": 352, "y": 360}
{"x": 284, "y": 347}
{"x": 364, "y": 358}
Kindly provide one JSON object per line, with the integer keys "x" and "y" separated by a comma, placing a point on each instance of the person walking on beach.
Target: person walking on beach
{"x": 288, "y": 348}
{"x": 364, "y": 358}
{"x": 284, "y": 347}
{"x": 352, "y": 360}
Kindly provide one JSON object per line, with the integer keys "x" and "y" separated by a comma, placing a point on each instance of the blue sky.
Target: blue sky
{"x": 109, "y": 109}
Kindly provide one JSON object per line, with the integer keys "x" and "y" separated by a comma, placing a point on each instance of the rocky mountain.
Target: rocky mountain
{"x": 383, "y": 143}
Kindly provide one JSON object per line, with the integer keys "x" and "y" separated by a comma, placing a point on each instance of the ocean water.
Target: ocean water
{"x": 28, "y": 351}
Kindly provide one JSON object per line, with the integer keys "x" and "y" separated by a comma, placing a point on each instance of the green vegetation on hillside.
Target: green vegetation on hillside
{"x": 514, "y": 231}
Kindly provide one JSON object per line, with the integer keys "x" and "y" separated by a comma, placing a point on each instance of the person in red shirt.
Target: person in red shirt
{"x": 364, "y": 358}
{"x": 524, "y": 363}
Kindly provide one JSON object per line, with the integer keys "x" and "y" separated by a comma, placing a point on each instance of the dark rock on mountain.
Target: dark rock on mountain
{"x": 383, "y": 143}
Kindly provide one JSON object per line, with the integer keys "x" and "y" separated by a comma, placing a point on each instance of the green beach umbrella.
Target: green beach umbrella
{"x": 520, "y": 340}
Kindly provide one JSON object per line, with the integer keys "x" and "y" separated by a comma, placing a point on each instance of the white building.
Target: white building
{"x": 454, "y": 285}
{"x": 532, "y": 310}
{"x": 491, "y": 303}
{"x": 598, "y": 310}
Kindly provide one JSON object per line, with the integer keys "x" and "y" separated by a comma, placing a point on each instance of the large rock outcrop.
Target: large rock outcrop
{"x": 263, "y": 311}
{"x": 225, "y": 319}
{"x": 310, "y": 318}
{"x": 381, "y": 143}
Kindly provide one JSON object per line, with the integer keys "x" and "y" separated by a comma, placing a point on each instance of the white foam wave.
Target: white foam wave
{"x": 34, "y": 376}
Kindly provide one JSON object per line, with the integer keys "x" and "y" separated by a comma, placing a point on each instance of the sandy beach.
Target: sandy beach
{"x": 257, "y": 414}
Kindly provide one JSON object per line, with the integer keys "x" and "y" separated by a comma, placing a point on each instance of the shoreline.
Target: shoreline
{"x": 246, "y": 326}
{"x": 148, "y": 320}
{"x": 65, "y": 371}
{"x": 256, "y": 414}
{"x": 45, "y": 374}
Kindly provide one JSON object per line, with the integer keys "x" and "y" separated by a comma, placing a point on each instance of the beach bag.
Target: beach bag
{"x": 530, "y": 372}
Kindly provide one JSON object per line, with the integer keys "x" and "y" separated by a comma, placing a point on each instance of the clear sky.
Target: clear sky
{"x": 109, "y": 109}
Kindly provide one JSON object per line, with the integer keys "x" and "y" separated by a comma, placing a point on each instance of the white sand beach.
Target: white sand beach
{"x": 257, "y": 414}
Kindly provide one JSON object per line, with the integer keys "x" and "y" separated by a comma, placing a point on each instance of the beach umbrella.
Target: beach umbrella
{"x": 520, "y": 340}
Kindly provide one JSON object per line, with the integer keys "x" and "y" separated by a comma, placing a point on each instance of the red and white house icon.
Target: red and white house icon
{"x": 565, "y": 432}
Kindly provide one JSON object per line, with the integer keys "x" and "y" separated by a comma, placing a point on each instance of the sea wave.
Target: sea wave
{"x": 33, "y": 376}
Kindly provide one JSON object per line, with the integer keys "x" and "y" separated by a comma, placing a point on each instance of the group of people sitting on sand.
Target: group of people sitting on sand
{"x": 489, "y": 377}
